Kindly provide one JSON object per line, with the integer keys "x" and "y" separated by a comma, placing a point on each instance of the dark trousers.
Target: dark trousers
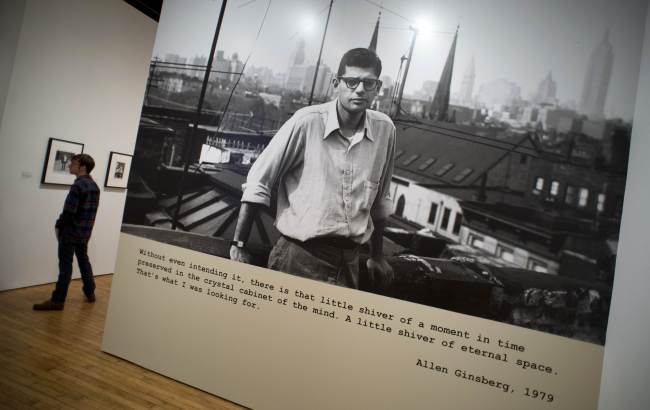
{"x": 319, "y": 260}
{"x": 66, "y": 251}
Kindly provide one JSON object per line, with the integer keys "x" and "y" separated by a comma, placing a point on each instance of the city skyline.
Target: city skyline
{"x": 522, "y": 52}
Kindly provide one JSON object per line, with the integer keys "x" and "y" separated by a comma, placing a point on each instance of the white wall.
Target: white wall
{"x": 627, "y": 361}
{"x": 79, "y": 74}
{"x": 11, "y": 17}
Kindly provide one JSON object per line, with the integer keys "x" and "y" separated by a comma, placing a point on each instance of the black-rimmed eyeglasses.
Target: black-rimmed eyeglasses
{"x": 369, "y": 84}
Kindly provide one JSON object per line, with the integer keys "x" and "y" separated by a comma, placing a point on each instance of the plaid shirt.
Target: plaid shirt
{"x": 78, "y": 217}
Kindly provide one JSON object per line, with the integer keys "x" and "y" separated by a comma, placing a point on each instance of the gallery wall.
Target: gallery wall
{"x": 79, "y": 73}
{"x": 76, "y": 70}
{"x": 11, "y": 17}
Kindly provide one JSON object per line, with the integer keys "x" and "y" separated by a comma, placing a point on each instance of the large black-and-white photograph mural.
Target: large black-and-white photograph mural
{"x": 486, "y": 158}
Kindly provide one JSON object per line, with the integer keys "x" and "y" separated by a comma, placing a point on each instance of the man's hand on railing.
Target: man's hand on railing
{"x": 239, "y": 254}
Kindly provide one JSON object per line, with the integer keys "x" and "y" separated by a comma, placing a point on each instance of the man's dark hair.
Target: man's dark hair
{"x": 84, "y": 160}
{"x": 360, "y": 57}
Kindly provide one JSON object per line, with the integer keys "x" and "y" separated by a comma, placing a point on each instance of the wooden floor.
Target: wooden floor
{"x": 52, "y": 360}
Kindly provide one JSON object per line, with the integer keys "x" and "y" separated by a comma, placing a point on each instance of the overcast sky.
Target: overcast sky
{"x": 519, "y": 40}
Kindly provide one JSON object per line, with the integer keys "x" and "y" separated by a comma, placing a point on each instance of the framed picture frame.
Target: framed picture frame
{"x": 58, "y": 156}
{"x": 117, "y": 173}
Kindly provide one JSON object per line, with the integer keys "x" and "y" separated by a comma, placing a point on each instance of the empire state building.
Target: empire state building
{"x": 599, "y": 70}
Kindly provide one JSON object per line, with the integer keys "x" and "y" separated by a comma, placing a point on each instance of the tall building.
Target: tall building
{"x": 427, "y": 91}
{"x": 499, "y": 93}
{"x": 199, "y": 72}
{"x": 387, "y": 81}
{"x": 236, "y": 67}
{"x": 295, "y": 80}
{"x": 429, "y": 87}
{"x": 264, "y": 76}
{"x": 298, "y": 56}
{"x": 221, "y": 65}
{"x": 199, "y": 60}
{"x": 529, "y": 114}
{"x": 174, "y": 59}
{"x": 297, "y": 71}
{"x": 552, "y": 117}
{"x": 323, "y": 81}
{"x": 467, "y": 85}
{"x": 279, "y": 79}
{"x": 546, "y": 90}
{"x": 301, "y": 77}
{"x": 599, "y": 70}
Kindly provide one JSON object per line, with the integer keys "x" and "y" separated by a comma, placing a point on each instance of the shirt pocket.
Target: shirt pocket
{"x": 369, "y": 194}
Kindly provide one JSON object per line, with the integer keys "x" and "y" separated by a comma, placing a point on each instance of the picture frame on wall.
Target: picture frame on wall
{"x": 117, "y": 173}
{"x": 58, "y": 156}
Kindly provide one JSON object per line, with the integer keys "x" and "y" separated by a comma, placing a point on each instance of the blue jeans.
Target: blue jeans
{"x": 66, "y": 252}
{"x": 317, "y": 261}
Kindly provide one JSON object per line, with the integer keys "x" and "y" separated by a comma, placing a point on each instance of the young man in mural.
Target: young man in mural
{"x": 331, "y": 165}
{"x": 73, "y": 229}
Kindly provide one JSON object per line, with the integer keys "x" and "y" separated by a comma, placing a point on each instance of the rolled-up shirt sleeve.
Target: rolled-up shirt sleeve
{"x": 283, "y": 153}
{"x": 382, "y": 208}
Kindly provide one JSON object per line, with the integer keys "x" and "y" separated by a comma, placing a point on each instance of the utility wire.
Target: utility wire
{"x": 477, "y": 142}
{"x": 402, "y": 28}
{"x": 437, "y": 129}
{"x": 532, "y": 152}
{"x": 388, "y": 10}
{"x": 441, "y": 130}
{"x": 241, "y": 74}
{"x": 499, "y": 147}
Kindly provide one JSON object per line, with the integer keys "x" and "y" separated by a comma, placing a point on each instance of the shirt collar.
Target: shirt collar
{"x": 332, "y": 123}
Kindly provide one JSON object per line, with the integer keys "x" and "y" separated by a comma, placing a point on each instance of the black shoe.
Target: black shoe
{"x": 48, "y": 305}
{"x": 91, "y": 298}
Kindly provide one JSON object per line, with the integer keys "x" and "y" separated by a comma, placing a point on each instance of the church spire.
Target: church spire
{"x": 440, "y": 105}
{"x": 375, "y": 33}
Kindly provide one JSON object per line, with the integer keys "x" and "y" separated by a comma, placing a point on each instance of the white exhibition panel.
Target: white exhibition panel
{"x": 229, "y": 329}
{"x": 270, "y": 357}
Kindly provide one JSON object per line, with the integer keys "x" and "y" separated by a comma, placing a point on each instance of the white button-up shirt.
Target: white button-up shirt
{"x": 326, "y": 184}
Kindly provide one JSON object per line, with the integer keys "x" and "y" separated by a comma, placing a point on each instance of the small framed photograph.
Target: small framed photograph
{"x": 57, "y": 159}
{"x": 117, "y": 174}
